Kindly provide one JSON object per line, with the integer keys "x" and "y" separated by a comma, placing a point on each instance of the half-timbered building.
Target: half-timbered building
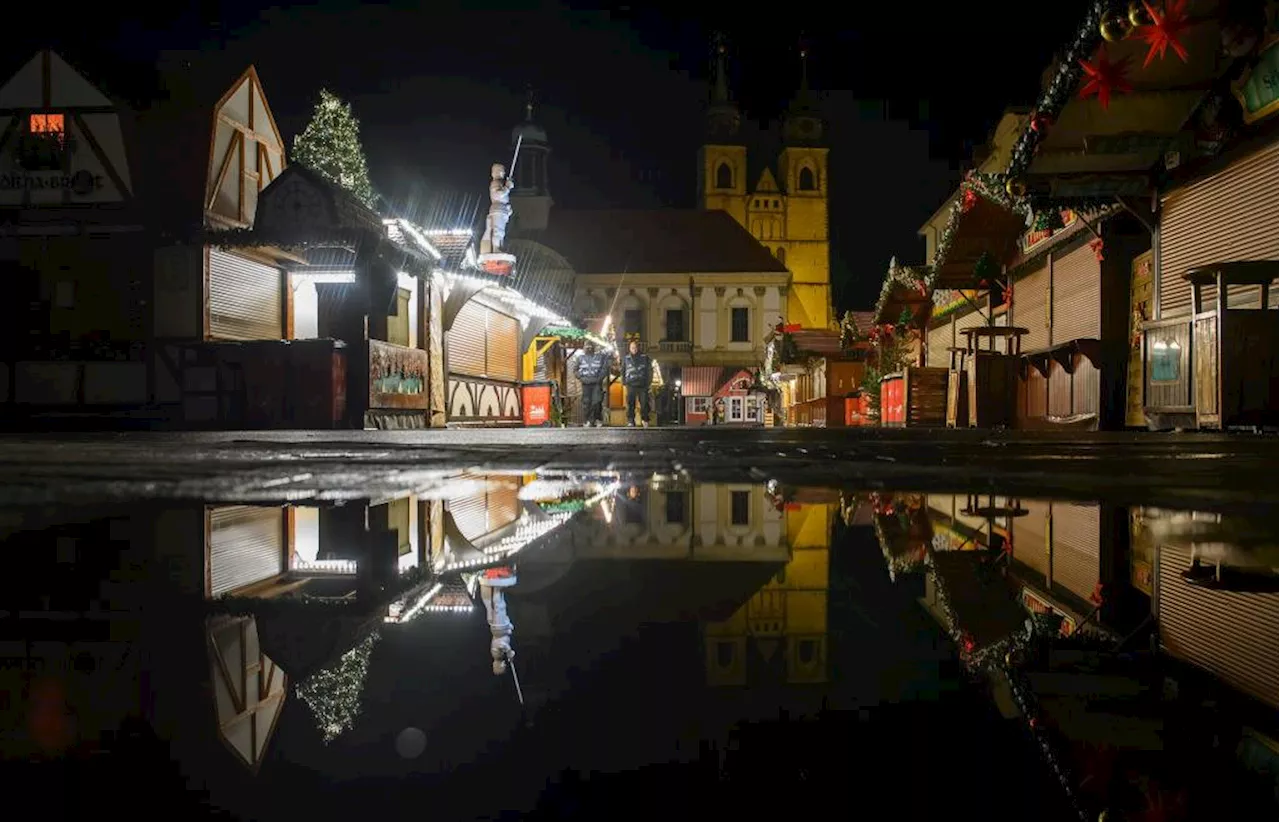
{"x": 72, "y": 244}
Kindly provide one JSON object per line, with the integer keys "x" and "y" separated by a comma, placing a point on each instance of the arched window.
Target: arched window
{"x": 781, "y": 254}
{"x": 724, "y": 176}
{"x": 808, "y": 180}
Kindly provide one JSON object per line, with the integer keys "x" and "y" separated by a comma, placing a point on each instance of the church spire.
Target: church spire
{"x": 803, "y": 120}
{"x": 723, "y": 117}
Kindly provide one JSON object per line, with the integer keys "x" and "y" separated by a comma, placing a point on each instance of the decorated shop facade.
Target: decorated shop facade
{"x": 1045, "y": 276}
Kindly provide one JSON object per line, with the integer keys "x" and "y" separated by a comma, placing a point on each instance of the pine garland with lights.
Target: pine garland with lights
{"x": 1061, "y": 88}
{"x": 330, "y": 146}
{"x": 333, "y": 694}
{"x": 909, "y": 277}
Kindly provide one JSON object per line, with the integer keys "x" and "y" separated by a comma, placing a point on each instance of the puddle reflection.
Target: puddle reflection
{"x": 496, "y": 623}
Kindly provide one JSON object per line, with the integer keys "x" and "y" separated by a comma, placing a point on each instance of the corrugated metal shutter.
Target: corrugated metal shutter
{"x": 1075, "y": 547}
{"x": 503, "y": 340}
{"x": 1077, "y": 296}
{"x": 504, "y": 506}
{"x": 1228, "y": 216}
{"x": 465, "y": 340}
{"x": 1030, "y": 298}
{"x": 470, "y": 514}
{"x": 1231, "y": 635}
{"x": 940, "y": 339}
{"x": 969, "y": 320}
{"x": 246, "y": 545}
{"x": 244, "y": 298}
{"x": 1029, "y": 545}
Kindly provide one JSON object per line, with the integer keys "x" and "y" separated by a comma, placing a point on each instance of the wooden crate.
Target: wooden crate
{"x": 917, "y": 396}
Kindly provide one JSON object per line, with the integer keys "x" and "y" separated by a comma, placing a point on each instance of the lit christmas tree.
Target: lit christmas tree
{"x": 334, "y": 693}
{"x": 330, "y": 145}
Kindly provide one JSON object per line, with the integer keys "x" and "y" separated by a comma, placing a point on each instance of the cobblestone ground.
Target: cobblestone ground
{"x": 1209, "y": 470}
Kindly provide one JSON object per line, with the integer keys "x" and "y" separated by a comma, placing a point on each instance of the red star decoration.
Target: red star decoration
{"x": 1096, "y": 245}
{"x": 1096, "y": 597}
{"x": 1165, "y": 28}
{"x": 969, "y": 200}
{"x": 1104, "y": 77}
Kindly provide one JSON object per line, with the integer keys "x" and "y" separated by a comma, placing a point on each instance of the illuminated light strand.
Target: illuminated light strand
{"x": 339, "y": 567}
{"x": 334, "y": 694}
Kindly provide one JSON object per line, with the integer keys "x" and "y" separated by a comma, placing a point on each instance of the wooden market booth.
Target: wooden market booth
{"x": 915, "y": 395}
{"x": 979, "y": 241}
{"x": 1186, "y": 156}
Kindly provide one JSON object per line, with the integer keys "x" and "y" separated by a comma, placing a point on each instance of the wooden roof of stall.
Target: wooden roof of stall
{"x": 985, "y": 227}
{"x": 1090, "y": 153}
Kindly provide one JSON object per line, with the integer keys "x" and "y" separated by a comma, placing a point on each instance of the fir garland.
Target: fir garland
{"x": 908, "y": 277}
{"x": 333, "y": 694}
{"x": 1059, "y": 90}
{"x": 330, "y": 146}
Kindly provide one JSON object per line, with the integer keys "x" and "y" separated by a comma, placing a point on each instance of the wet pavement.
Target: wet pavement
{"x": 577, "y": 624}
{"x": 1219, "y": 470}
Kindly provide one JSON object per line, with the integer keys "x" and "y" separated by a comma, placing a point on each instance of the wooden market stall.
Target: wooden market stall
{"x": 1233, "y": 345}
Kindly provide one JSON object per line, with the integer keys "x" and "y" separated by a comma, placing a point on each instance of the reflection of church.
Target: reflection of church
{"x": 780, "y": 634}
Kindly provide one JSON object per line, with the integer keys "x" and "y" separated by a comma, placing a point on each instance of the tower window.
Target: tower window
{"x": 775, "y": 203}
{"x": 724, "y": 176}
{"x": 808, "y": 180}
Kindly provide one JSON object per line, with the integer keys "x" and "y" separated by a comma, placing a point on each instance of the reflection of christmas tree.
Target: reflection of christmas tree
{"x": 330, "y": 145}
{"x": 333, "y": 693}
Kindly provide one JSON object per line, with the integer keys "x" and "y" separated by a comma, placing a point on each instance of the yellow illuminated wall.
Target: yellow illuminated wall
{"x": 786, "y": 210}
{"x": 788, "y": 616}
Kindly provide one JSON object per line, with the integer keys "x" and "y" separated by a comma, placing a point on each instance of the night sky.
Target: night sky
{"x": 908, "y": 89}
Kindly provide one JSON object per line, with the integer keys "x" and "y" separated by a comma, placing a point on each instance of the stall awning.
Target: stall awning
{"x": 979, "y": 227}
{"x": 1080, "y": 152}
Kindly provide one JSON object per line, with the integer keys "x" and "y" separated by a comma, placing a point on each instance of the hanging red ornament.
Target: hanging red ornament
{"x": 1097, "y": 246}
{"x": 1096, "y": 596}
{"x": 1006, "y": 294}
{"x": 968, "y": 200}
{"x": 1165, "y": 29}
{"x": 967, "y": 643}
{"x": 1040, "y": 123}
{"x": 1104, "y": 77}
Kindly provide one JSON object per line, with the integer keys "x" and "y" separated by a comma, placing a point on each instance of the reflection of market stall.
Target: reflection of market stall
{"x": 317, "y": 552}
{"x": 1214, "y": 592}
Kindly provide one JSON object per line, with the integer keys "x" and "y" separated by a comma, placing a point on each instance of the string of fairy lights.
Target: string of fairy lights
{"x": 334, "y": 694}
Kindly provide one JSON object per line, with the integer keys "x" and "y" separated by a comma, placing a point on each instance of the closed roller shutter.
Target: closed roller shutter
{"x": 1029, "y": 532}
{"x": 971, "y": 320}
{"x": 484, "y": 343}
{"x": 1228, "y": 216}
{"x": 465, "y": 340}
{"x": 504, "y": 506}
{"x": 503, "y": 355}
{"x": 940, "y": 339}
{"x": 485, "y": 511}
{"x": 246, "y": 545}
{"x": 1075, "y": 548}
{"x": 1232, "y": 635}
{"x": 244, "y": 299}
{"x": 1077, "y": 295}
{"x": 1030, "y": 298}
{"x": 470, "y": 514}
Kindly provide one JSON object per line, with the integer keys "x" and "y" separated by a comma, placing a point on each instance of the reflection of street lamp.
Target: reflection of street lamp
{"x": 679, "y": 404}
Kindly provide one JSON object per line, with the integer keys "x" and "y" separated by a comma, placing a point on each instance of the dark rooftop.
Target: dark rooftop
{"x": 666, "y": 241}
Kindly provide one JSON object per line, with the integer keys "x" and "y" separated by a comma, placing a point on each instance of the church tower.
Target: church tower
{"x": 531, "y": 198}
{"x": 722, "y": 160}
{"x": 802, "y": 171}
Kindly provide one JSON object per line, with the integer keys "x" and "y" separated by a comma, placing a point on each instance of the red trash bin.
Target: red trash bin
{"x": 535, "y": 402}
